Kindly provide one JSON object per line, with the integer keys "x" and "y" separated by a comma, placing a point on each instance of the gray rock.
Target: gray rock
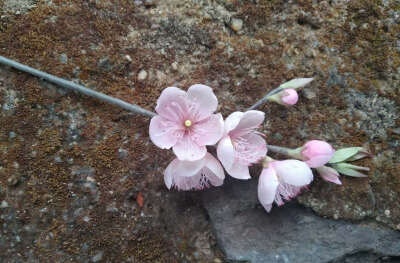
{"x": 377, "y": 114}
{"x": 18, "y": 6}
{"x": 290, "y": 233}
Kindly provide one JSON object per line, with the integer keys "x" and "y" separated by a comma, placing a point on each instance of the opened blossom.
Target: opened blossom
{"x": 196, "y": 175}
{"x": 282, "y": 180}
{"x": 186, "y": 121}
{"x": 241, "y": 144}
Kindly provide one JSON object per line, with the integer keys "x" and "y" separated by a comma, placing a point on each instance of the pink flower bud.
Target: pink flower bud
{"x": 289, "y": 96}
{"x": 317, "y": 153}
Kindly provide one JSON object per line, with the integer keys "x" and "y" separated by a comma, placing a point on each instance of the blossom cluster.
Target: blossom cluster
{"x": 186, "y": 122}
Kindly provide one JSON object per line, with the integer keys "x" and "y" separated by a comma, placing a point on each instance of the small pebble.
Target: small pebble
{"x": 64, "y": 58}
{"x": 13, "y": 180}
{"x": 12, "y": 135}
{"x": 309, "y": 94}
{"x": 58, "y": 159}
{"x": 122, "y": 153}
{"x": 236, "y": 24}
{"x": 97, "y": 257}
{"x": 4, "y": 204}
{"x": 127, "y": 57}
{"x": 387, "y": 213}
{"x": 149, "y": 3}
{"x": 142, "y": 75}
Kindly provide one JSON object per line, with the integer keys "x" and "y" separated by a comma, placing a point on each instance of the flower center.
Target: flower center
{"x": 188, "y": 123}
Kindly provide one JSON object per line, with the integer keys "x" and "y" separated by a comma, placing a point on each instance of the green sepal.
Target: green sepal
{"x": 349, "y": 169}
{"x": 344, "y": 154}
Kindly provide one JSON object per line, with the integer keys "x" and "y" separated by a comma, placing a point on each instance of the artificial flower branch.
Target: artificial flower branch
{"x": 186, "y": 122}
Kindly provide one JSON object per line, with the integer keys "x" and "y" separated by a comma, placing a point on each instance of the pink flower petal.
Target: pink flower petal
{"x": 254, "y": 150}
{"x": 208, "y": 131}
{"x": 293, "y": 172}
{"x": 195, "y": 175}
{"x": 177, "y": 171}
{"x": 205, "y": 98}
{"x": 267, "y": 186}
{"x": 233, "y": 120}
{"x": 287, "y": 192}
{"x": 238, "y": 171}
{"x": 250, "y": 120}
{"x": 188, "y": 183}
{"x": 187, "y": 168}
{"x": 225, "y": 152}
{"x": 187, "y": 150}
{"x": 215, "y": 167}
{"x": 164, "y": 133}
{"x": 318, "y": 161}
{"x": 169, "y": 173}
{"x": 208, "y": 177}
{"x": 329, "y": 174}
{"x": 172, "y": 104}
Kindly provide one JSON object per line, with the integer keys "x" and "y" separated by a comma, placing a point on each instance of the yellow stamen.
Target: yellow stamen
{"x": 188, "y": 123}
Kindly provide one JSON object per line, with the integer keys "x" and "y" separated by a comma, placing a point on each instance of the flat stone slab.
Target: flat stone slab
{"x": 290, "y": 233}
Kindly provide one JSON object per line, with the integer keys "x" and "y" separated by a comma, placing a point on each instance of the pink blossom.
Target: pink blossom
{"x": 289, "y": 96}
{"x": 282, "y": 180}
{"x": 329, "y": 174}
{"x": 317, "y": 153}
{"x": 196, "y": 175}
{"x": 241, "y": 144}
{"x": 186, "y": 122}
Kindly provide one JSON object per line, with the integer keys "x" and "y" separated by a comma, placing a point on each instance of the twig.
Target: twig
{"x": 265, "y": 98}
{"x": 279, "y": 149}
{"x": 76, "y": 87}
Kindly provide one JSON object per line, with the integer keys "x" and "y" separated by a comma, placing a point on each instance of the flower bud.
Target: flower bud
{"x": 289, "y": 96}
{"x": 316, "y": 153}
{"x": 285, "y": 97}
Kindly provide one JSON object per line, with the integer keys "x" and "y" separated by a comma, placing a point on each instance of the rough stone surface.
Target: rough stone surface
{"x": 291, "y": 233}
{"x": 18, "y": 6}
{"x": 67, "y": 190}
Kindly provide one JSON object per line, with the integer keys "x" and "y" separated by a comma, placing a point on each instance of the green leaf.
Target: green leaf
{"x": 359, "y": 155}
{"x": 345, "y": 153}
{"x": 296, "y": 83}
{"x": 345, "y": 169}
